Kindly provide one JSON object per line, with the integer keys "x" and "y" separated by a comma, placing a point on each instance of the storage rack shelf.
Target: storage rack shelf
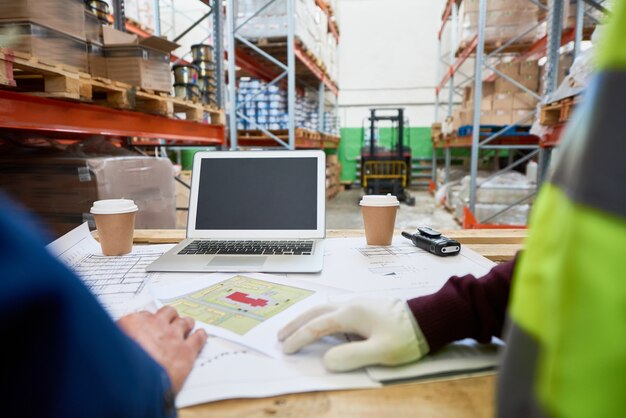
{"x": 308, "y": 71}
{"x": 29, "y": 116}
{"x": 305, "y": 139}
{"x": 548, "y": 46}
{"x": 32, "y": 116}
{"x": 284, "y": 62}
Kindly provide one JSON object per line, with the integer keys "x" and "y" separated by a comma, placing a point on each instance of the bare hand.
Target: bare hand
{"x": 167, "y": 338}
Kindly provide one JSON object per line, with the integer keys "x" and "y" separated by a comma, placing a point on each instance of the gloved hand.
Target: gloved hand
{"x": 391, "y": 334}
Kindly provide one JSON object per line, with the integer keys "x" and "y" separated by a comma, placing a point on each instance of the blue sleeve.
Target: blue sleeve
{"x": 62, "y": 354}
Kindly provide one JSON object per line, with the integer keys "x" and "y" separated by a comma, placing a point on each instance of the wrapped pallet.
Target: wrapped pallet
{"x": 59, "y": 190}
{"x": 271, "y": 23}
{"x": 495, "y": 195}
{"x": 505, "y": 19}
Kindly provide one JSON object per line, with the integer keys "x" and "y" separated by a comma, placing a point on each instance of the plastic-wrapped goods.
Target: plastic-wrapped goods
{"x": 60, "y": 190}
{"x": 452, "y": 195}
{"x": 65, "y": 16}
{"x": 93, "y": 28}
{"x": 272, "y": 22}
{"x": 505, "y": 19}
{"x": 142, "y": 62}
{"x": 97, "y": 62}
{"x": 507, "y": 188}
{"x": 516, "y": 215}
{"x": 44, "y": 43}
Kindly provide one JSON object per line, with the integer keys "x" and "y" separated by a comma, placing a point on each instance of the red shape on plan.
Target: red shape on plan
{"x": 244, "y": 298}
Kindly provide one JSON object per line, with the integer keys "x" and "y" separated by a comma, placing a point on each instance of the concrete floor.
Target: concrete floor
{"x": 342, "y": 212}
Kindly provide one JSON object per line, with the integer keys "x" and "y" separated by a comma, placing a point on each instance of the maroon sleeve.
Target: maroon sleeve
{"x": 465, "y": 307}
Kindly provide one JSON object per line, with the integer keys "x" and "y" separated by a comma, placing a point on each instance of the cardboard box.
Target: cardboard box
{"x": 503, "y": 101}
{"x": 495, "y": 117}
{"x": 486, "y": 103}
{"x": 467, "y": 117}
{"x": 97, "y": 62}
{"x": 522, "y": 101}
{"x": 522, "y": 117}
{"x": 529, "y": 68}
{"x": 141, "y": 62}
{"x": 457, "y": 117}
{"x": 47, "y": 44}
{"x": 488, "y": 89}
{"x": 512, "y": 69}
{"x": 65, "y": 16}
{"x": 505, "y": 86}
{"x": 93, "y": 28}
{"x": 60, "y": 190}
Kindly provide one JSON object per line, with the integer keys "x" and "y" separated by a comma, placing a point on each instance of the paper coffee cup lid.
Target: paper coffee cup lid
{"x": 379, "y": 200}
{"x": 112, "y": 206}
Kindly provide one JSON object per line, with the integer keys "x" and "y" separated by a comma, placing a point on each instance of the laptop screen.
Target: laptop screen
{"x": 257, "y": 194}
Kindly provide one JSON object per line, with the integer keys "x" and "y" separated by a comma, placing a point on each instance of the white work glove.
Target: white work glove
{"x": 391, "y": 334}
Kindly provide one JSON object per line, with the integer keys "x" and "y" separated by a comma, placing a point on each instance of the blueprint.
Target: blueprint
{"x": 239, "y": 303}
{"x": 119, "y": 282}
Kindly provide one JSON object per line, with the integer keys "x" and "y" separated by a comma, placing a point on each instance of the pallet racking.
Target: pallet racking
{"x": 507, "y": 137}
{"x": 285, "y": 63}
{"x": 29, "y": 116}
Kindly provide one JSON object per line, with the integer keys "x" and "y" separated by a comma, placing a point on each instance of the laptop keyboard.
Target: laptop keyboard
{"x": 249, "y": 247}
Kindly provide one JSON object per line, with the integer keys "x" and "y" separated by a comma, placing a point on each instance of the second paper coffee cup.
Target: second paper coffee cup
{"x": 115, "y": 222}
{"x": 379, "y": 217}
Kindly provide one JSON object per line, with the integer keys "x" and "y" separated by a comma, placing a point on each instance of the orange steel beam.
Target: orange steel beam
{"x": 31, "y": 114}
{"x": 317, "y": 71}
{"x": 250, "y": 64}
{"x": 444, "y": 18}
{"x": 457, "y": 64}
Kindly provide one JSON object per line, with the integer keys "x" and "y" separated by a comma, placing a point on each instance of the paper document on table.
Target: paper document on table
{"x": 461, "y": 357}
{"x": 351, "y": 265}
{"x": 226, "y": 370}
{"x": 118, "y": 282}
{"x": 248, "y": 309}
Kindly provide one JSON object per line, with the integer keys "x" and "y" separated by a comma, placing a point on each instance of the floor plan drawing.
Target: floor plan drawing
{"x": 238, "y": 304}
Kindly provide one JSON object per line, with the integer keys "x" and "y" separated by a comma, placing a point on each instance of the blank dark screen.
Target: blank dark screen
{"x": 257, "y": 193}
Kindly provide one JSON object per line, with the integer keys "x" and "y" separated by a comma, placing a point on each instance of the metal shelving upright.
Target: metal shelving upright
{"x": 289, "y": 66}
{"x": 476, "y": 48}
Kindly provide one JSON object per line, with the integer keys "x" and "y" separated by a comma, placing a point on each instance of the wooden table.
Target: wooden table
{"x": 453, "y": 397}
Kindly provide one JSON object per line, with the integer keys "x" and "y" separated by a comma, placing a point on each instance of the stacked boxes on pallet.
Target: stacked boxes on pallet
{"x": 53, "y": 30}
{"x": 503, "y": 103}
{"x": 505, "y": 20}
{"x": 142, "y": 62}
{"x": 96, "y": 15}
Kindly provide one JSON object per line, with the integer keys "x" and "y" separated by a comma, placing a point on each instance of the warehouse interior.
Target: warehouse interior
{"x": 347, "y": 59}
{"x": 456, "y": 109}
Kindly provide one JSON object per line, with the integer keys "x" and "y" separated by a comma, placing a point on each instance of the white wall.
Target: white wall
{"x": 388, "y": 57}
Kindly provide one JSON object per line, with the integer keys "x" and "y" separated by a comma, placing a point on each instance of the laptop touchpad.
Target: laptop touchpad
{"x": 235, "y": 261}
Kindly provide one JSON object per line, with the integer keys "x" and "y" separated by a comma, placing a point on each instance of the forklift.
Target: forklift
{"x": 387, "y": 170}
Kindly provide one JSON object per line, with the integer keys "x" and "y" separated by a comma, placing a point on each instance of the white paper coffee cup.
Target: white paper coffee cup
{"x": 379, "y": 217}
{"x": 115, "y": 221}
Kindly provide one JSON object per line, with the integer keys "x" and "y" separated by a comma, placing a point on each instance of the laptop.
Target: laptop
{"x": 261, "y": 211}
